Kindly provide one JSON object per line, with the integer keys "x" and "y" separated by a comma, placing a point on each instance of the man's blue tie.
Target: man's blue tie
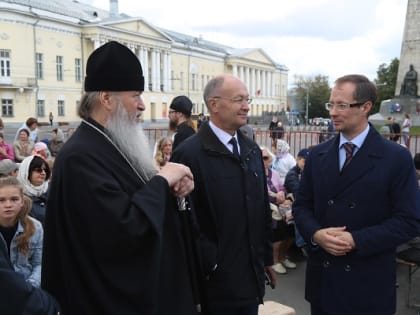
{"x": 235, "y": 150}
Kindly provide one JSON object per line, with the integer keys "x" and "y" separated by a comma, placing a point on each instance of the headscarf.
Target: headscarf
{"x": 23, "y": 177}
{"x": 282, "y": 147}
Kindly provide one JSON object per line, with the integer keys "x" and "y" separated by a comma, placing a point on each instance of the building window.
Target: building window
{"x": 5, "y": 71}
{"x": 40, "y": 108}
{"x": 59, "y": 67}
{"x": 203, "y": 82}
{"x": 39, "y": 66}
{"x": 60, "y": 108}
{"x": 78, "y": 69}
{"x": 7, "y": 107}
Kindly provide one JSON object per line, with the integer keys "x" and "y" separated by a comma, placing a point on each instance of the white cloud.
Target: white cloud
{"x": 310, "y": 37}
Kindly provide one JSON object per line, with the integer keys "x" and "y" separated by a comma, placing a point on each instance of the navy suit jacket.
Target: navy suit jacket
{"x": 377, "y": 198}
{"x": 19, "y": 297}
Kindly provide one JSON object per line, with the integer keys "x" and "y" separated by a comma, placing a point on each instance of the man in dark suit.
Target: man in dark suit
{"x": 355, "y": 205}
{"x": 17, "y": 296}
{"x": 230, "y": 201}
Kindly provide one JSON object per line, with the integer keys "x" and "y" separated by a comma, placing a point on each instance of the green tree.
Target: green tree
{"x": 385, "y": 82}
{"x": 316, "y": 91}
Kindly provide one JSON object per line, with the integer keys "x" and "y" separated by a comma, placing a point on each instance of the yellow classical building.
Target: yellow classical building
{"x": 44, "y": 45}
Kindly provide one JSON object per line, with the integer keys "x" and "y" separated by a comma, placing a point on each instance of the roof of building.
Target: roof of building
{"x": 88, "y": 14}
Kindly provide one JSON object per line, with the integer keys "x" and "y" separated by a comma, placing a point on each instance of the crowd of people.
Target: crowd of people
{"x": 99, "y": 224}
{"x": 394, "y": 130}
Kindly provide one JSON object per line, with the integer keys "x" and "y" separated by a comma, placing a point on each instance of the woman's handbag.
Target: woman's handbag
{"x": 275, "y": 212}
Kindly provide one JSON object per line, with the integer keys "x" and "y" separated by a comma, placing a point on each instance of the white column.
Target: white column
{"x": 241, "y": 73}
{"x": 264, "y": 81}
{"x": 96, "y": 44}
{"x": 267, "y": 84}
{"x": 158, "y": 70}
{"x": 258, "y": 75}
{"x": 273, "y": 85}
{"x": 247, "y": 79}
{"x": 169, "y": 72}
{"x": 153, "y": 69}
{"x": 165, "y": 71}
{"x": 140, "y": 58}
{"x": 235, "y": 70}
{"x": 253, "y": 83}
{"x": 145, "y": 64}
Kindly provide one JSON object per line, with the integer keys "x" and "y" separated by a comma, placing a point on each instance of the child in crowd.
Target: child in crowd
{"x": 21, "y": 233}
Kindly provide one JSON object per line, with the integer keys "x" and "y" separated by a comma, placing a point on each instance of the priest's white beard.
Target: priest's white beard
{"x": 127, "y": 133}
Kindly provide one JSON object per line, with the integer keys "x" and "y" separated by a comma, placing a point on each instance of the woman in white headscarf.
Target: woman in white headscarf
{"x": 33, "y": 174}
{"x": 284, "y": 161}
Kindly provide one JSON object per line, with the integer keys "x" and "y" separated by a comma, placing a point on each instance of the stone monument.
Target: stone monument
{"x": 406, "y": 98}
{"x": 409, "y": 85}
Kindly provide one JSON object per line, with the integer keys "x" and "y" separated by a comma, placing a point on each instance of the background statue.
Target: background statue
{"x": 409, "y": 86}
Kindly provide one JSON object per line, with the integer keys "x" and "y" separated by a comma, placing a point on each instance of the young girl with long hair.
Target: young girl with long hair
{"x": 21, "y": 233}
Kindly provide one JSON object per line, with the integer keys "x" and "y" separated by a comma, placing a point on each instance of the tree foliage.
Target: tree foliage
{"x": 386, "y": 82}
{"x": 316, "y": 91}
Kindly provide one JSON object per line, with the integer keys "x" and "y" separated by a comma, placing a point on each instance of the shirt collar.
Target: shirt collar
{"x": 358, "y": 140}
{"x": 222, "y": 135}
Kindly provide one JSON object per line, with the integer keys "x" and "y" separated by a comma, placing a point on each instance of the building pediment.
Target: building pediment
{"x": 139, "y": 26}
{"x": 254, "y": 55}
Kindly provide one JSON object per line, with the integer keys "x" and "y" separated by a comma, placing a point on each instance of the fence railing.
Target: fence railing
{"x": 297, "y": 139}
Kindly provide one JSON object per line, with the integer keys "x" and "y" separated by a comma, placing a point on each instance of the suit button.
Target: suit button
{"x": 347, "y": 268}
{"x": 330, "y": 202}
{"x": 326, "y": 264}
{"x": 352, "y": 205}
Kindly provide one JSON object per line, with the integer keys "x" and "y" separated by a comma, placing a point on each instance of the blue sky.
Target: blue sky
{"x": 310, "y": 37}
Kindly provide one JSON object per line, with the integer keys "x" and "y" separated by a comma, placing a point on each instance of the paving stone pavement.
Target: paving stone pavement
{"x": 291, "y": 287}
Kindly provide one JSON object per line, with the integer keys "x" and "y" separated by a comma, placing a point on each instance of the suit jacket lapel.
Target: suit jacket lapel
{"x": 330, "y": 165}
{"x": 361, "y": 163}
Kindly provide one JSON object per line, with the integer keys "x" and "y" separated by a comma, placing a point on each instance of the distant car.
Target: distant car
{"x": 320, "y": 121}
{"x": 325, "y": 121}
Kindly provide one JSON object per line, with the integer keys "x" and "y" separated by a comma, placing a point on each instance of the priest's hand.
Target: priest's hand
{"x": 179, "y": 177}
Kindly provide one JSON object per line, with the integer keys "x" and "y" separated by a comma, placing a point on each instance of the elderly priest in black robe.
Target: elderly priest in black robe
{"x": 113, "y": 237}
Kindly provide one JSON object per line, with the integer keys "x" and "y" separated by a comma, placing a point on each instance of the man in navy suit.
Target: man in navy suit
{"x": 18, "y": 296}
{"x": 358, "y": 200}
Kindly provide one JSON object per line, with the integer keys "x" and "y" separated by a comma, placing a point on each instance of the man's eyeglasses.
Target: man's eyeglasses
{"x": 40, "y": 170}
{"x": 342, "y": 106}
{"x": 238, "y": 100}
{"x": 266, "y": 158}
